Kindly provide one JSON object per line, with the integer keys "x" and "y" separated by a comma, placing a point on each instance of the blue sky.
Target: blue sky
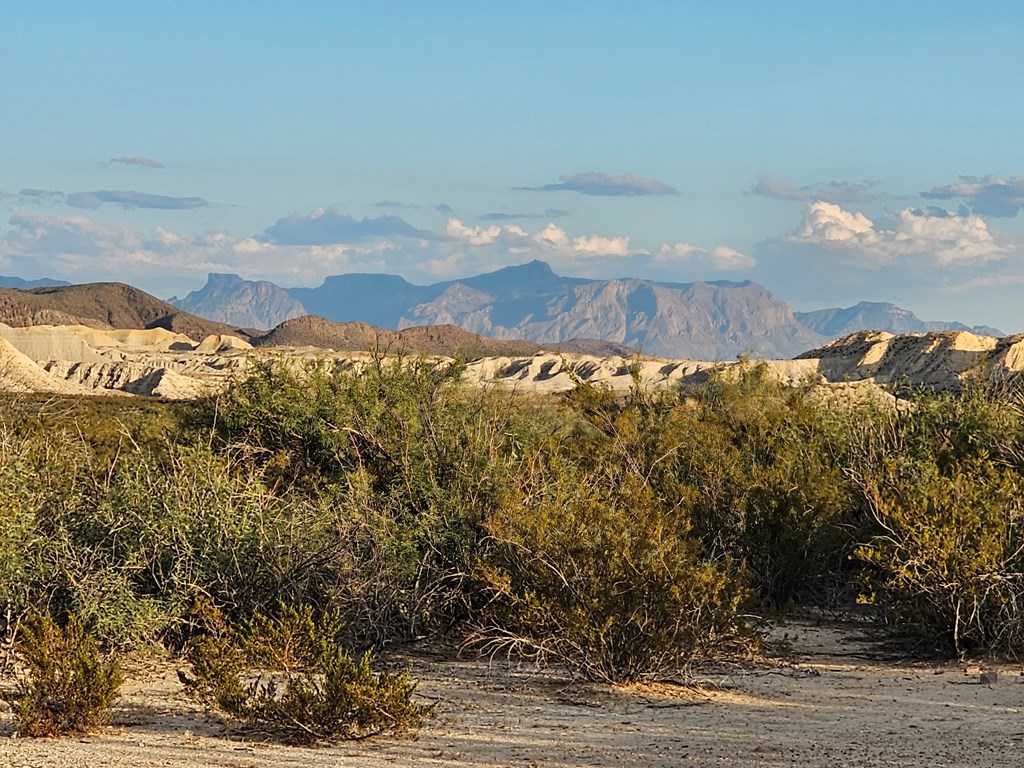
{"x": 831, "y": 152}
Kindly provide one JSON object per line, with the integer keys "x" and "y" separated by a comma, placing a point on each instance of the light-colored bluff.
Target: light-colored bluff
{"x": 76, "y": 359}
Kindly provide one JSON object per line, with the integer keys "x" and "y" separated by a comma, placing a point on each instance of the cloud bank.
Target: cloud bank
{"x": 836, "y": 256}
{"x": 303, "y": 249}
{"x": 942, "y": 237}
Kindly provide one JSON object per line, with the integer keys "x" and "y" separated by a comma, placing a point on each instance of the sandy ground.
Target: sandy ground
{"x": 837, "y": 699}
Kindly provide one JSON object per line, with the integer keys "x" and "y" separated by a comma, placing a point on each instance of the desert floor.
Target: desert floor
{"x": 837, "y": 698}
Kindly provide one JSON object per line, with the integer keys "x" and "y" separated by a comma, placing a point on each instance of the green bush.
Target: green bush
{"x": 67, "y": 687}
{"x": 604, "y": 577}
{"x": 408, "y": 460}
{"x": 759, "y": 466}
{"x": 948, "y": 565}
{"x": 764, "y": 466}
{"x": 291, "y": 676}
{"x": 942, "y": 485}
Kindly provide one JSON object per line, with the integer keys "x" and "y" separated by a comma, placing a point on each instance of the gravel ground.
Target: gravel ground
{"x": 835, "y": 701}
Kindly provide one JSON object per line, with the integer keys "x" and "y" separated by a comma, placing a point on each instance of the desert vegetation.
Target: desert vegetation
{"x": 277, "y": 534}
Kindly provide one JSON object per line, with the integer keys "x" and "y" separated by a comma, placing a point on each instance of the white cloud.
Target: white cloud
{"x": 721, "y": 258}
{"x": 553, "y": 235}
{"x": 945, "y": 238}
{"x": 552, "y": 241}
{"x": 473, "y": 235}
{"x": 729, "y": 259}
{"x": 601, "y": 246}
{"x": 670, "y": 253}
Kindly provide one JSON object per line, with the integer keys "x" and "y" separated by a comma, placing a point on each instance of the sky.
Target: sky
{"x": 832, "y": 152}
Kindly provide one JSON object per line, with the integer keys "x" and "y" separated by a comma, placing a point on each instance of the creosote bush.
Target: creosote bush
{"x": 67, "y": 686}
{"x": 610, "y": 583}
{"x": 943, "y": 487}
{"x": 291, "y": 676}
{"x": 409, "y": 460}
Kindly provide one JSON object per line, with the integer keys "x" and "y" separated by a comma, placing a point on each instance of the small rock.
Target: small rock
{"x": 989, "y": 677}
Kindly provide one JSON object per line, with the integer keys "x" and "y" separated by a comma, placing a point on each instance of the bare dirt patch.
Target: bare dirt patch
{"x": 837, "y": 699}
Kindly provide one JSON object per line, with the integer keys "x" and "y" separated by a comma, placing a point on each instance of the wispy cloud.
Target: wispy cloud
{"x": 830, "y": 191}
{"x": 444, "y": 208}
{"x": 328, "y": 225}
{"x": 144, "y": 162}
{"x": 843, "y": 191}
{"x": 41, "y": 196}
{"x": 767, "y": 186}
{"x": 599, "y": 183}
{"x": 550, "y": 213}
{"x": 393, "y": 204}
{"x": 984, "y": 195}
{"x": 126, "y": 199}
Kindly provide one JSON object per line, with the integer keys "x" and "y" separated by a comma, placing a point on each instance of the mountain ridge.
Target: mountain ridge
{"x": 104, "y": 305}
{"x": 530, "y": 301}
{"x": 836, "y": 322}
{"x": 704, "y": 319}
{"x": 699, "y": 320}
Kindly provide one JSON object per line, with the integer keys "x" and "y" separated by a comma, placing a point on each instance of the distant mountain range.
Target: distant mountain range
{"x": 17, "y": 282}
{"x": 701, "y": 320}
{"x": 528, "y": 305}
{"x": 120, "y": 306}
{"x": 837, "y": 322}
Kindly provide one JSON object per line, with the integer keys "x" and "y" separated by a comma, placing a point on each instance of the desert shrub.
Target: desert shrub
{"x": 291, "y": 676}
{"x": 764, "y": 466}
{"x": 944, "y": 559}
{"x": 194, "y": 523}
{"x": 408, "y": 459}
{"x": 38, "y": 473}
{"x": 126, "y": 546}
{"x": 759, "y": 466}
{"x": 67, "y": 686}
{"x": 601, "y": 574}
